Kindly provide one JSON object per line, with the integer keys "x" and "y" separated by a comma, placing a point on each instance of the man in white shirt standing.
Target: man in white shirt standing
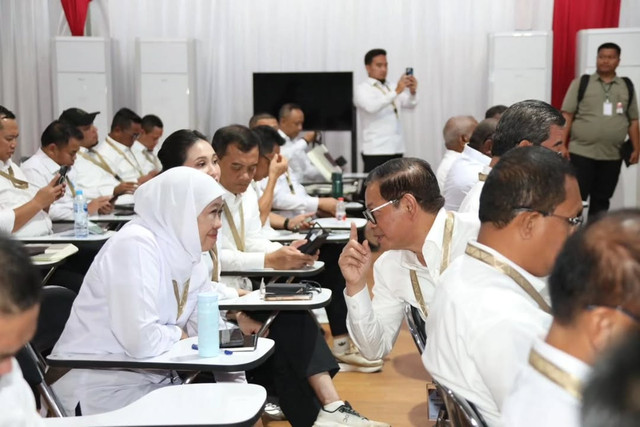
{"x": 27, "y": 206}
{"x": 379, "y": 104}
{"x": 456, "y": 133}
{"x": 595, "y": 300}
{"x": 19, "y": 307}
{"x": 492, "y": 302}
{"x": 406, "y": 215}
{"x": 150, "y": 134}
{"x": 466, "y": 169}
{"x": 59, "y": 144}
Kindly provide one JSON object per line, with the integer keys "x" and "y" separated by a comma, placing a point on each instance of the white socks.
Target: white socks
{"x": 331, "y": 407}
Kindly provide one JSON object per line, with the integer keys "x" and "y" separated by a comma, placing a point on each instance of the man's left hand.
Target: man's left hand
{"x": 634, "y": 157}
{"x": 412, "y": 84}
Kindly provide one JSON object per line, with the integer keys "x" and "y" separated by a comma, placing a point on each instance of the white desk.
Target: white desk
{"x": 352, "y": 206}
{"x": 53, "y": 256}
{"x": 284, "y": 236}
{"x": 334, "y": 224}
{"x": 316, "y": 268}
{"x": 252, "y": 302}
{"x": 111, "y": 218}
{"x": 228, "y": 404}
{"x": 181, "y": 358}
{"x": 67, "y": 237}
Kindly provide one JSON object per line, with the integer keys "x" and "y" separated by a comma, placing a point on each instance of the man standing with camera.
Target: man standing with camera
{"x": 379, "y": 104}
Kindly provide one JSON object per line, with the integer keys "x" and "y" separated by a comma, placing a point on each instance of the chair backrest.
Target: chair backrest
{"x": 460, "y": 412}
{"x": 54, "y": 313}
{"x": 416, "y": 326}
{"x": 34, "y": 376}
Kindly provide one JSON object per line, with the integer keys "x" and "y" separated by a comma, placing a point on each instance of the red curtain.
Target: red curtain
{"x": 76, "y": 13}
{"x": 570, "y": 16}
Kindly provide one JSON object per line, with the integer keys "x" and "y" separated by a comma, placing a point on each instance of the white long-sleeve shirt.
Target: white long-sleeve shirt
{"x": 12, "y": 197}
{"x": 381, "y": 126}
{"x": 300, "y": 166}
{"x": 124, "y": 163}
{"x": 480, "y": 330}
{"x": 442, "y": 171}
{"x": 462, "y": 175}
{"x": 7, "y": 220}
{"x": 17, "y": 404}
{"x": 374, "y": 324}
{"x": 287, "y": 203}
{"x": 147, "y": 160}
{"x": 95, "y": 181}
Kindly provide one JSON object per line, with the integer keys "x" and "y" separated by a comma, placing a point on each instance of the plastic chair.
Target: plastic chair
{"x": 460, "y": 412}
{"x": 416, "y": 326}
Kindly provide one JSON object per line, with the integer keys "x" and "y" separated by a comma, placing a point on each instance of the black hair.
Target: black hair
{"x": 526, "y": 177}
{"x": 610, "y": 45}
{"x": 240, "y": 135}
{"x": 269, "y": 138}
{"x": 124, "y": 118}
{"x": 286, "y": 109}
{"x": 174, "y": 149}
{"x": 20, "y": 282}
{"x": 5, "y": 113}
{"x": 482, "y": 132}
{"x": 368, "y": 57}
{"x": 495, "y": 111}
{"x": 257, "y": 117}
{"x": 530, "y": 120}
{"x": 58, "y": 133}
{"x": 150, "y": 121}
{"x": 408, "y": 175}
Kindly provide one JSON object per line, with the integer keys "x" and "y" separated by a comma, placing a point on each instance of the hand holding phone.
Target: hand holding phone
{"x": 63, "y": 174}
{"x": 409, "y": 71}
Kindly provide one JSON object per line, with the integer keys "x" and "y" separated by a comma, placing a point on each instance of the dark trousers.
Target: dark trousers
{"x": 300, "y": 352}
{"x": 597, "y": 180}
{"x": 372, "y": 162}
{"x": 331, "y": 278}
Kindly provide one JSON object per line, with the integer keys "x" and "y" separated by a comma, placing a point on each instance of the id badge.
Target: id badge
{"x": 607, "y": 108}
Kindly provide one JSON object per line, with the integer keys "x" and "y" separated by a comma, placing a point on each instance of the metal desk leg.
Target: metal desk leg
{"x": 268, "y": 323}
{"x": 49, "y": 274}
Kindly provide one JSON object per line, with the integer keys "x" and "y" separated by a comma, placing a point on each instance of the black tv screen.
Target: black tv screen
{"x": 325, "y": 98}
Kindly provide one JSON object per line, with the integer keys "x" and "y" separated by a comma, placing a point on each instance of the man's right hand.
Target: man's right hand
{"x": 50, "y": 193}
{"x": 402, "y": 84}
{"x": 279, "y": 165}
{"x": 125, "y": 188}
{"x": 289, "y": 258}
{"x": 355, "y": 262}
{"x": 101, "y": 205}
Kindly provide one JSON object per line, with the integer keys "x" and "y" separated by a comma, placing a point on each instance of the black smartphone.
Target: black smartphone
{"x": 63, "y": 173}
{"x": 315, "y": 238}
{"x": 409, "y": 71}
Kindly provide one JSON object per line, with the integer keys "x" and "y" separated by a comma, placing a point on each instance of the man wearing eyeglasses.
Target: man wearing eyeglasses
{"x": 595, "y": 300}
{"x": 407, "y": 218}
{"x": 492, "y": 302}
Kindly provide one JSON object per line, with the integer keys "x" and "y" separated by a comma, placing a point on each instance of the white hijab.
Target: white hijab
{"x": 169, "y": 205}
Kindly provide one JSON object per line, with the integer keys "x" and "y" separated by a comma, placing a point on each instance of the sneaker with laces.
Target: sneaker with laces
{"x": 352, "y": 361}
{"x": 344, "y": 415}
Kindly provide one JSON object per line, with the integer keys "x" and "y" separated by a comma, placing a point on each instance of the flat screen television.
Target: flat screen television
{"x": 325, "y": 98}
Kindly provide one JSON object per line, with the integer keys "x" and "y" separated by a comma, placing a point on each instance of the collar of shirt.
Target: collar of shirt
{"x": 120, "y": 145}
{"x": 431, "y": 248}
{"x": 538, "y": 283}
{"x": 475, "y": 155}
{"x": 617, "y": 79}
{"x": 562, "y": 360}
{"x": 284, "y": 136}
{"x": 4, "y": 166}
{"x": 233, "y": 201}
{"x": 373, "y": 82}
{"x": 47, "y": 162}
{"x": 138, "y": 147}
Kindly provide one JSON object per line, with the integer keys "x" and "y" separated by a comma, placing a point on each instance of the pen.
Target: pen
{"x": 290, "y": 183}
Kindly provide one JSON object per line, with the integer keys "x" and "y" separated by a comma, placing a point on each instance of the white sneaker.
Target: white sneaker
{"x": 274, "y": 412}
{"x": 350, "y": 360}
{"x": 344, "y": 415}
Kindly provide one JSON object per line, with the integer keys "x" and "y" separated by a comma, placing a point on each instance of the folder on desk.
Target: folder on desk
{"x": 322, "y": 160}
{"x": 55, "y": 252}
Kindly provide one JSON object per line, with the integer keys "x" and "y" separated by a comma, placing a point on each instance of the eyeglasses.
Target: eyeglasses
{"x": 575, "y": 221}
{"x": 619, "y": 308}
{"x": 368, "y": 213}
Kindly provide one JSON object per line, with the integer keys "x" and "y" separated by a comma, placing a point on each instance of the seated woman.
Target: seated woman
{"x": 139, "y": 295}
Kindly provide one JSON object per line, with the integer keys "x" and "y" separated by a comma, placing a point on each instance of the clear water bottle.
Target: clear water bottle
{"x": 80, "y": 215}
{"x": 341, "y": 210}
{"x": 208, "y": 325}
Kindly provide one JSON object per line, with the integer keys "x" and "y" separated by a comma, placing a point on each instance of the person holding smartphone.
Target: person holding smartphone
{"x": 379, "y": 103}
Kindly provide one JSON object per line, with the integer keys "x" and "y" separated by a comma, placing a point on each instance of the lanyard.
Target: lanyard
{"x": 379, "y": 85}
{"x": 215, "y": 275}
{"x": 482, "y": 176}
{"x": 152, "y": 159}
{"x": 181, "y": 301}
{"x": 101, "y": 163}
{"x": 237, "y": 237}
{"x": 446, "y": 255}
{"x": 504, "y": 268}
{"x": 119, "y": 151}
{"x": 606, "y": 88}
{"x": 17, "y": 183}
{"x": 556, "y": 374}
{"x": 71, "y": 187}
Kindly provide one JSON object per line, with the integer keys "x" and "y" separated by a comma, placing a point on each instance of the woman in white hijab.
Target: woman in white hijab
{"x": 139, "y": 295}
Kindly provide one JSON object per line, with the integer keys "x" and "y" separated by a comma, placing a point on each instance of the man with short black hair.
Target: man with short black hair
{"x": 59, "y": 144}
{"x": 456, "y": 133}
{"x": 151, "y": 132}
{"x": 263, "y": 119}
{"x": 495, "y": 112}
{"x": 595, "y": 300}
{"x": 492, "y": 301}
{"x": 20, "y": 290}
{"x": 597, "y": 126}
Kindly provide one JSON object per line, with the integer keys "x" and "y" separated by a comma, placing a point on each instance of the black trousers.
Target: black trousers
{"x": 371, "y": 162}
{"x": 300, "y": 352}
{"x": 597, "y": 180}
{"x": 331, "y": 278}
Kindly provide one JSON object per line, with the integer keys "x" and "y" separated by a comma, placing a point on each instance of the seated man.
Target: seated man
{"x": 60, "y": 143}
{"x": 466, "y": 169}
{"x": 27, "y": 204}
{"x": 420, "y": 239}
{"x": 303, "y": 365}
{"x": 595, "y": 299}
{"x": 291, "y": 120}
{"x": 456, "y": 133}
{"x": 19, "y": 307}
{"x": 150, "y": 133}
{"x": 491, "y": 302}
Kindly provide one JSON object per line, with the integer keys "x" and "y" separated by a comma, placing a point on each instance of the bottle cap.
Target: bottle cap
{"x": 79, "y": 192}
{"x": 341, "y": 199}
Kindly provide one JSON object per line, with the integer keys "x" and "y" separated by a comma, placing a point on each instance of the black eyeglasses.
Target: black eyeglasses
{"x": 368, "y": 213}
{"x": 619, "y": 308}
{"x": 575, "y": 221}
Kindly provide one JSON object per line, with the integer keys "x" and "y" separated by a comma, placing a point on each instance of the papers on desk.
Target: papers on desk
{"x": 53, "y": 253}
{"x": 322, "y": 160}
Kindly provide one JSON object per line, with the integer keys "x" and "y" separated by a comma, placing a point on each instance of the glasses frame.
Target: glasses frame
{"x": 575, "y": 221}
{"x": 368, "y": 213}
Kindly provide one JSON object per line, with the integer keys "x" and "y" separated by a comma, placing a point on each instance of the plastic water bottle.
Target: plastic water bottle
{"x": 341, "y": 210}
{"x": 263, "y": 289}
{"x": 80, "y": 215}
{"x": 208, "y": 325}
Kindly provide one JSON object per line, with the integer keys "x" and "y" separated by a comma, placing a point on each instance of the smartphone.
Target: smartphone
{"x": 63, "y": 173}
{"x": 315, "y": 238}
{"x": 409, "y": 71}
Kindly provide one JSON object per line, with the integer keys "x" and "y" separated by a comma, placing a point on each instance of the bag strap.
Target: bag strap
{"x": 629, "y": 84}
{"x": 584, "y": 82}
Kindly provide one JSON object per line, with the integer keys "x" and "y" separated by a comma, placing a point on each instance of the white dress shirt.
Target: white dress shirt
{"x": 374, "y": 325}
{"x": 480, "y": 331}
{"x": 256, "y": 245}
{"x": 471, "y": 202}
{"x": 462, "y": 175}
{"x": 40, "y": 170}
{"x": 124, "y": 163}
{"x": 300, "y": 165}
{"x": 147, "y": 160}
{"x": 12, "y": 197}
{"x": 381, "y": 125}
{"x": 92, "y": 179}
{"x": 449, "y": 157}
{"x": 7, "y": 219}
{"x": 287, "y": 203}
{"x": 17, "y": 404}
{"x": 536, "y": 401}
